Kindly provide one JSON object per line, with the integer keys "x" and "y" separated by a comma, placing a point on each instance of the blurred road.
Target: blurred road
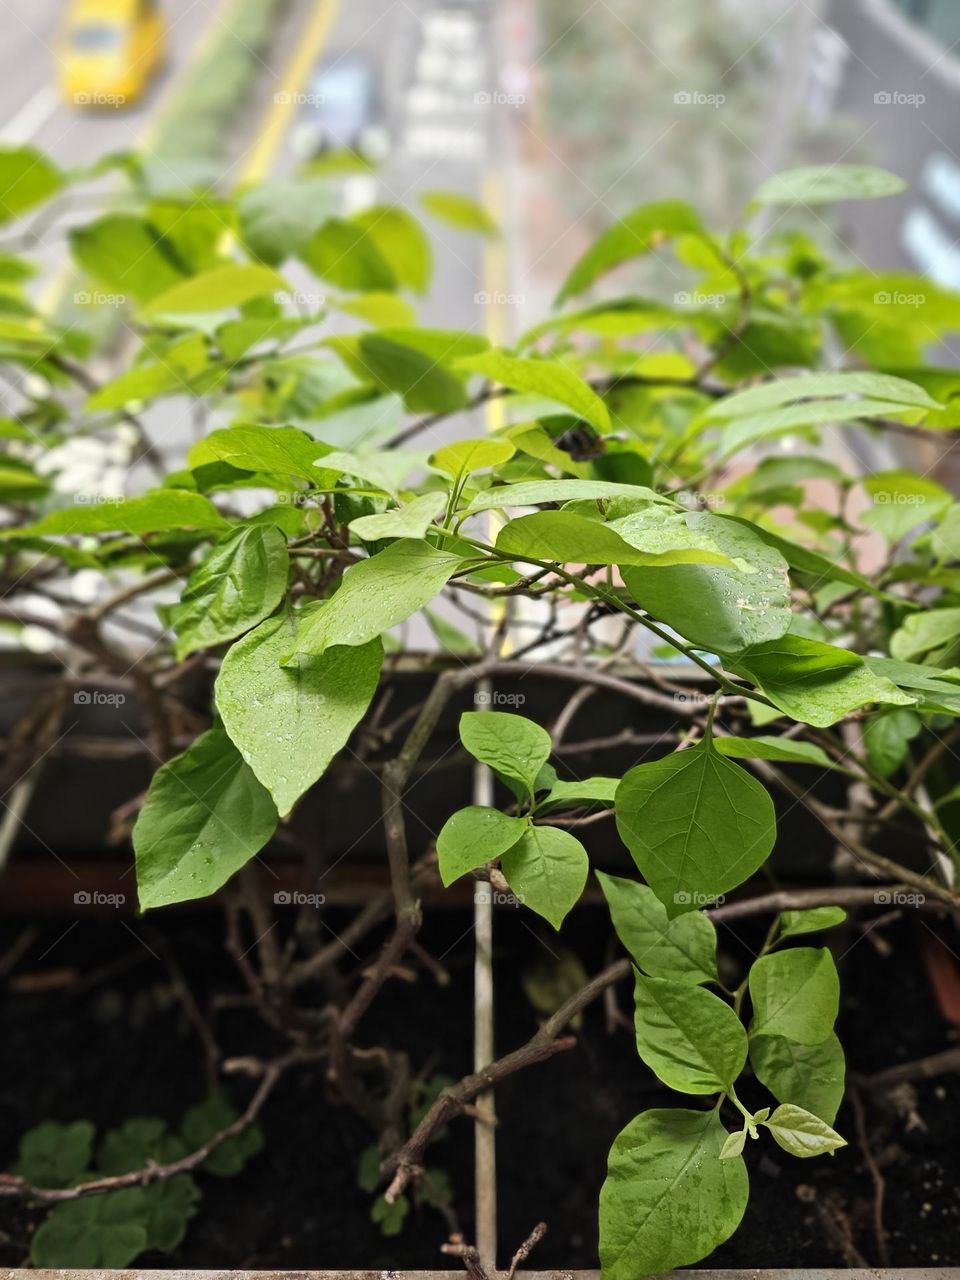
{"x": 30, "y": 106}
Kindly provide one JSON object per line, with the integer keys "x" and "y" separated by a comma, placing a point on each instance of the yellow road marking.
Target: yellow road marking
{"x": 280, "y": 115}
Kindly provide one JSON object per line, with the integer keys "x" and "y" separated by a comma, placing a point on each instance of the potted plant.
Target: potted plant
{"x": 633, "y": 535}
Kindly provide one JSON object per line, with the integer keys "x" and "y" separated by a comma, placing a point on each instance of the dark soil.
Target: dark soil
{"x": 115, "y": 1043}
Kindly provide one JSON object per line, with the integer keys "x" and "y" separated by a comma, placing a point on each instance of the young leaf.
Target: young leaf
{"x": 688, "y": 1036}
{"x": 27, "y": 177}
{"x": 789, "y": 750}
{"x": 734, "y": 1145}
{"x": 240, "y": 583}
{"x": 668, "y": 1199}
{"x": 532, "y": 492}
{"x": 347, "y": 255}
{"x": 566, "y": 537}
{"x": 636, "y": 234}
{"x": 289, "y": 722}
{"x": 794, "y": 923}
{"x": 811, "y": 1076}
{"x": 696, "y": 825}
{"x": 211, "y": 1117}
{"x": 409, "y": 521}
{"x": 205, "y": 816}
{"x": 801, "y": 1133}
{"x": 94, "y": 1232}
{"x": 285, "y": 452}
{"x": 887, "y": 738}
{"x": 826, "y": 183}
{"x": 583, "y": 791}
{"x": 545, "y": 378}
{"x": 474, "y": 836}
{"x": 375, "y": 595}
{"x": 467, "y": 456}
{"x": 402, "y": 244}
{"x": 55, "y": 1155}
{"x": 511, "y": 745}
{"x": 821, "y": 386}
{"x": 547, "y": 869}
{"x": 795, "y": 994}
{"x": 683, "y": 949}
{"x": 459, "y": 211}
{"x": 216, "y": 290}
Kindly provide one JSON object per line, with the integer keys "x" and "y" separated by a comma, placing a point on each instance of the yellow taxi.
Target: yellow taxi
{"x": 110, "y": 50}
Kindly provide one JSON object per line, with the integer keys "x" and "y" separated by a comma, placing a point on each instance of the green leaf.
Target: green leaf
{"x": 474, "y": 836}
{"x": 289, "y": 722}
{"x": 812, "y": 920}
{"x": 903, "y": 500}
{"x": 532, "y": 492}
{"x": 27, "y": 178}
{"x": 887, "y": 738}
{"x": 276, "y": 451}
{"x": 155, "y": 512}
{"x": 821, "y": 387}
{"x": 218, "y": 290}
{"x": 546, "y": 869}
{"x": 696, "y": 824}
{"x": 55, "y": 1155}
{"x": 826, "y": 183}
{"x": 127, "y": 255}
{"x": 459, "y": 211}
{"x": 565, "y": 537}
{"x": 688, "y": 1036}
{"x": 169, "y": 1204}
{"x": 545, "y": 378}
{"x": 205, "y": 816}
{"x": 347, "y": 255}
{"x": 923, "y": 634}
{"x": 580, "y": 792}
{"x": 205, "y": 1121}
{"x": 511, "y": 745}
{"x": 801, "y": 1133}
{"x": 104, "y": 1231}
{"x": 375, "y": 595}
{"x": 795, "y": 994}
{"x": 789, "y": 750}
{"x": 277, "y": 217}
{"x": 633, "y": 236}
{"x": 814, "y": 682}
{"x": 390, "y": 1216}
{"x": 391, "y": 364}
{"x": 668, "y": 1199}
{"x": 240, "y": 583}
{"x": 683, "y": 949}
{"x": 402, "y": 244}
{"x": 409, "y": 521}
{"x": 721, "y": 609}
{"x": 467, "y": 456}
{"x": 811, "y": 1076}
